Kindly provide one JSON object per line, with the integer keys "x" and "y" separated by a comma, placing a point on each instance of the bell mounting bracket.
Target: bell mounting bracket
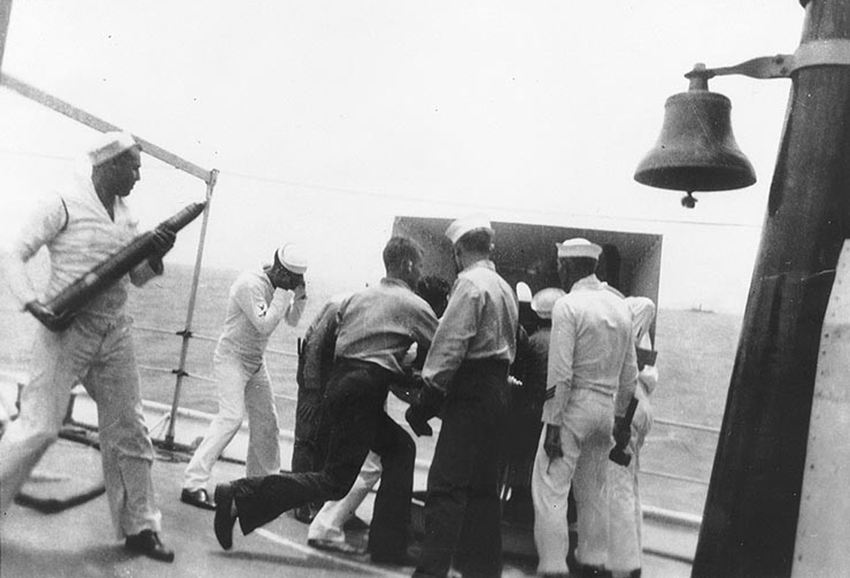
{"x": 832, "y": 52}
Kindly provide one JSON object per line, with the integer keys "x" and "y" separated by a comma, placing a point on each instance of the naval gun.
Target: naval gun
{"x": 57, "y": 313}
{"x": 525, "y": 254}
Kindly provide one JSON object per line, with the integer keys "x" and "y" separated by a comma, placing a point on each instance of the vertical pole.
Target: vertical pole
{"x": 5, "y": 14}
{"x": 751, "y": 512}
{"x": 190, "y": 313}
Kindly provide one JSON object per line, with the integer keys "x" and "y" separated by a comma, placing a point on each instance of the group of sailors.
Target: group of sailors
{"x": 559, "y": 394}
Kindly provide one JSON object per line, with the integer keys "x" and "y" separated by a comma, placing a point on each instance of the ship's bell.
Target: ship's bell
{"x": 696, "y": 150}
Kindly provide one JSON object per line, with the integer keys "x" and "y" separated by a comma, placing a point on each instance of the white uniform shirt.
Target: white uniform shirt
{"x": 79, "y": 234}
{"x": 591, "y": 347}
{"x": 254, "y": 310}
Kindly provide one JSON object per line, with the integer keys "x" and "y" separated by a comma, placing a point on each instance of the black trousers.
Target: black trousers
{"x": 311, "y": 432}
{"x": 462, "y": 508}
{"x": 355, "y": 401}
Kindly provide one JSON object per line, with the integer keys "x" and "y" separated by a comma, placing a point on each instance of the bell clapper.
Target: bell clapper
{"x": 688, "y": 201}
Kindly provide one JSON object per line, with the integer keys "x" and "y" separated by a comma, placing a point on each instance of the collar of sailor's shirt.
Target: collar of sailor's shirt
{"x": 589, "y": 282}
{"x": 395, "y": 281}
{"x": 486, "y": 263}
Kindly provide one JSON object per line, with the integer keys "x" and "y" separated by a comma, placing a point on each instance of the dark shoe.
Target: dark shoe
{"x": 334, "y": 546}
{"x": 304, "y": 514}
{"x": 147, "y": 542}
{"x": 198, "y": 498}
{"x": 224, "y": 519}
{"x": 586, "y": 571}
{"x": 397, "y": 559}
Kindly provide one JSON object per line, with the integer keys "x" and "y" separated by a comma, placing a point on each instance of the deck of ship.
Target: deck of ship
{"x": 80, "y": 542}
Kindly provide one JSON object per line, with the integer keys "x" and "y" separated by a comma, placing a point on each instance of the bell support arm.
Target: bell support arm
{"x": 832, "y": 52}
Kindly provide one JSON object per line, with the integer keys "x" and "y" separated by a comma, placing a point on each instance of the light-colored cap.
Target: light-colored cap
{"x": 578, "y": 247}
{"x": 109, "y": 145}
{"x": 523, "y": 292}
{"x": 544, "y": 300}
{"x": 465, "y": 225}
{"x": 293, "y": 258}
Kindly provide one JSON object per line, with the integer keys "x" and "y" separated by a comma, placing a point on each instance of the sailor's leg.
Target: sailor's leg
{"x": 355, "y": 405}
{"x": 550, "y": 489}
{"x": 590, "y": 486}
{"x": 624, "y": 533}
{"x": 328, "y": 523}
{"x": 57, "y": 361}
{"x": 263, "y": 456}
{"x": 125, "y": 445}
{"x": 388, "y": 533}
{"x": 231, "y": 379}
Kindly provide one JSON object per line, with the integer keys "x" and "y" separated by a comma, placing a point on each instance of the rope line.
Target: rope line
{"x": 421, "y": 200}
{"x": 686, "y": 425}
{"x": 674, "y": 477}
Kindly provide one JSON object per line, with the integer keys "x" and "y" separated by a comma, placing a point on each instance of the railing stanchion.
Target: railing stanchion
{"x": 187, "y": 331}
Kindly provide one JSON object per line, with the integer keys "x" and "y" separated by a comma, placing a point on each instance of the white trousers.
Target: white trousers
{"x": 585, "y": 440}
{"x": 242, "y": 388}
{"x": 626, "y": 527}
{"x": 328, "y": 523}
{"x": 98, "y": 351}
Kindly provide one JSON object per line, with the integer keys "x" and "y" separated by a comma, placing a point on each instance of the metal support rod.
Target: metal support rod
{"x": 190, "y": 313}
{"x": 5, "y": 14}
{"x": 71, "y": 111}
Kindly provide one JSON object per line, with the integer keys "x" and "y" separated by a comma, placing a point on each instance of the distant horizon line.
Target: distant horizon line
{"x": 690, "y": 308}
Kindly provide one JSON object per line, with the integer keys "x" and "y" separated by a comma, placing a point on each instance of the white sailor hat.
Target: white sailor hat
{"x": 464, "y": 225}
{"x": 544, "y": 300}
{"x": 578, "y": 247}
{"x": 292, "y": 258}
{"x": 523, "y": 292}
{"x": 109, "y": 145}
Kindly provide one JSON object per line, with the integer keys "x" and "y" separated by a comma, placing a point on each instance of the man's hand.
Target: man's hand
{"x": 552, "y": 443}
{"x": 48, "y": 318}
{"x": 418, "y": 421}
{"x": 290, "y": 281}
{"x": 425, "y": 405}
{"x": 300, "y": 288}
{"x": 622, "y": 432}
{"x": 163, "y": 241}
{"x": 407, "y": 388}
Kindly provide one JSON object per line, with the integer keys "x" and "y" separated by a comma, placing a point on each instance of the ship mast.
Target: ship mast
{"x": 757, "y": 499}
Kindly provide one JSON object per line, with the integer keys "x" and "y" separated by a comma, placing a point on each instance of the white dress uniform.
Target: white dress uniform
{"x": 97, "y": 349}
{"x": 591, "y": 360}
{"x": 254, "y": 310}
{"x": 625, "y": 538}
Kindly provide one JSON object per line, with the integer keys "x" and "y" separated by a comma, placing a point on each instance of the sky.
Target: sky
{"x": 327, "y": 118}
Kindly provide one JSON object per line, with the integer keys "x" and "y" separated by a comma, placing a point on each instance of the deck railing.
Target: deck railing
{"x": 424, "y": 464}
{"x": 167, "y": 423}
